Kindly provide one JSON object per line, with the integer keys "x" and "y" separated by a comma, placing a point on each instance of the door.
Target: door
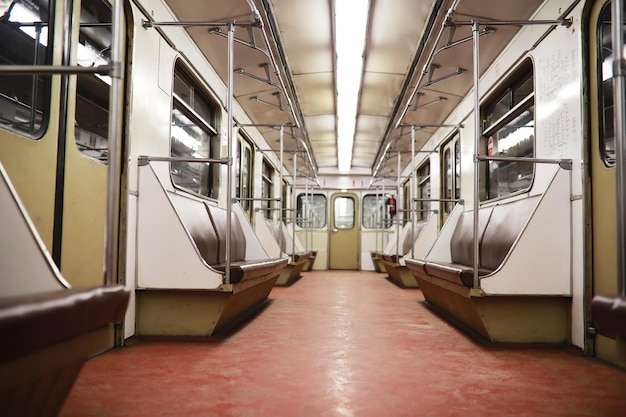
{"x": 58, "y": 160}
{"x": 603, "y": 177}
{"x": 344, "y": 241}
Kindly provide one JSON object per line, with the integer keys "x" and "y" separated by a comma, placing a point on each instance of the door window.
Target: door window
{"x": 344, "y": 213}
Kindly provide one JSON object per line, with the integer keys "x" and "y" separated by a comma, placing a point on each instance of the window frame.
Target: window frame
{"x": 422, "y": 175}
{"x": 209, "y": 127}
{"x": 268, "y": 173}
{"x": 301, "y": 216}
{"x": 45, "y": 98}
{"x": 452, "y": 146}
{"x": 490, "y": 183}
{"x": 606, "y": 99}
{"x": 386, "y": 220}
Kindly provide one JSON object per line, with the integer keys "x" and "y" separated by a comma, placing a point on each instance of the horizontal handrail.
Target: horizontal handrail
{"x": 563, "y": 163}
{"x": 439, "y": 200}
{"x": 144, "y": 159}
{"x": 256, "y": 199}
{"x": 55, "y": 69}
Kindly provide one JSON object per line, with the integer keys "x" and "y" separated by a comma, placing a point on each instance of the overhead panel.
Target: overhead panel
{"x": 393, "y": 69}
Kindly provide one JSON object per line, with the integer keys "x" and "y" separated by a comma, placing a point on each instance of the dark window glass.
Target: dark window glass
{"x": 91, "y": 126}
{"x": 267, "y": 188}
{"x": 605, "y": 75}
{"x": 194, "y": 135}
{"x": 512, "y": 134}
{"x": 25, "y": 40}
{"x": 423, "y": 191}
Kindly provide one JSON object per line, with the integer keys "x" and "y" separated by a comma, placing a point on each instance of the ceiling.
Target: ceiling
{"x": 284, "y": 70}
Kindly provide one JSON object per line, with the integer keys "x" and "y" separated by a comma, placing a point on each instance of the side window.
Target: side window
{"x": 605, "y": 71}
{"x": 423, "y": 190}
{"x": 194, "y": 135}
{"x": 375, "y": 212}
{"x": 243, "y": 174}
{"x": 267, "y": 188}
{"x": 26, "y": 40}
{"x": 313, "y": 208}
{"x": 407, "y": 213}
{"x": 285, "y": 213}
{"x": 451, "y": 173}
{"x": 509, "y": 131}
{"x": 91, "y": 125}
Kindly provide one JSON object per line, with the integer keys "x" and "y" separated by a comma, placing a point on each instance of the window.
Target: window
{"x": 406, "y": 201}
{"x": 267, "y": 188}
{"x": 311, "y": 209}
{"x": 344, "y": 213}
{"x": 375, "y": 212}
{"x": 451, "y": 181}
{"x": 423, "y": 188}
{"x": 91, "y": 125}
{"x": 509, "y": 131}
{"x": 285, "y": 213}
{"x": 605, "y": 71}
{"x": 26, "y": 40}
{"x": 193, "y": 135}
{"x": 243, "y": 174}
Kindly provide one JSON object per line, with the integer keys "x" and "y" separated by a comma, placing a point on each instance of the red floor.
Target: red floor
{"x": 344, "y": 344}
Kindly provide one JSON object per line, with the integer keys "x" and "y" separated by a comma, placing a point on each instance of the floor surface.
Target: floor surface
{"x": 344, "y": 344}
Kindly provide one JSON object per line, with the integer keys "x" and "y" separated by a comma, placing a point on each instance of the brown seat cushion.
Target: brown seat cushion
{"x": 33, "y": 322}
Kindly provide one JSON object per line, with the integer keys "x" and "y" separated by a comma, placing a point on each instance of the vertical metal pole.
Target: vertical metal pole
{"x": 477, "y": 133}
{"x": 377, "y": 218}
{"x": 293, "y": 209}
{"x": 280, "y": 189}
{"x": 413, "y": 193}
{"x": 619, "y": 95}
{"x": 307, "y": 215}
{"x": 383, "y": 220}
{"x": 398, "y": 206}
{"x": 229, "y": 175}
{"x": 115, "y": 108}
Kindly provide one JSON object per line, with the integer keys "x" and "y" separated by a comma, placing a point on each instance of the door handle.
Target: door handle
{"x": 335, "y": 230}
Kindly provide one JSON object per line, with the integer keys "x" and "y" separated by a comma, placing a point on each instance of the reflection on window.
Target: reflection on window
{"x": 24, "y": 99}
{"x": 311, "y": 210}
{"x": 92, "y": 90}
{"x": 605, "y": 72}
{"x": 423, "y": 190}
{"x": 510, "y": 134}
{"x": 243, "y": 174}
{"x": 451, "y": 185}
{"x": 375, "y": 213}
{"x": 344, "y": 213}
{"x": 192, "y": 136}
{"x": 267, "y": 188}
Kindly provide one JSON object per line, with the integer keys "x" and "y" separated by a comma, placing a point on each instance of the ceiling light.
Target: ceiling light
{"x": 350, "y": 31}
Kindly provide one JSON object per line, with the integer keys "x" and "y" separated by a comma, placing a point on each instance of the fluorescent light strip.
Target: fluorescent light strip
{"x": 350, "y": 30}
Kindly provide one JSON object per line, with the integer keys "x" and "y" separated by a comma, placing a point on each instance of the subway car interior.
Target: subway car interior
{"x": 312, "y": 208}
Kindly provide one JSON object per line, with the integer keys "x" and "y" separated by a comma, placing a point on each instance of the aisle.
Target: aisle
{"x": 344, "y": 344}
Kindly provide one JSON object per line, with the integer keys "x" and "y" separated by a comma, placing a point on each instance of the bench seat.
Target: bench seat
{"x": 453, "y": 272}
{"x": 251, "y": 269}
{"x": 190, "y": 295}
{"x": 393, "y": 260}
{"x": 609, "y": 315}
{"x": 448, "y": 284}
{"x": 282, "y": 242}
{"x": 33, "y": 322}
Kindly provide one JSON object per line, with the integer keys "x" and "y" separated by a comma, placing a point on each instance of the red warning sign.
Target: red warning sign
{"x": 490, "y": 146}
